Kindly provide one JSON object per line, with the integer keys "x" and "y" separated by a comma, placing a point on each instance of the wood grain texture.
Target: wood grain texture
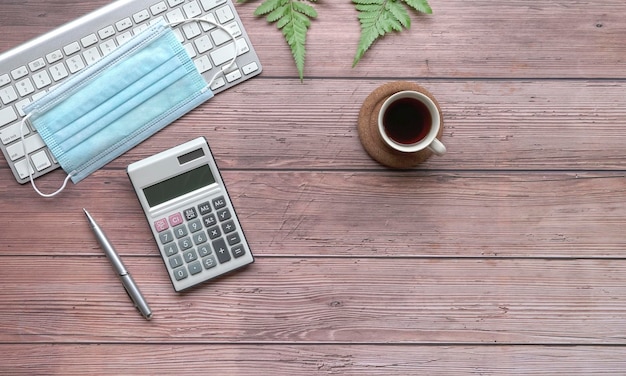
{"x": 503, "y": 257}
{"x": 322, "y": 300}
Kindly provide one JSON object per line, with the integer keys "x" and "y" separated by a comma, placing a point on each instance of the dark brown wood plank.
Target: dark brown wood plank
{"x": 288, "y": 360}
{"x": 361, "y": 214}
{"x": 323, "y": 300}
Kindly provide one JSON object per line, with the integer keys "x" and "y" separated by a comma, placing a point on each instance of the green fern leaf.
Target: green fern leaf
{"x": 293, "y": 18}
{"x": 380, "y": 17}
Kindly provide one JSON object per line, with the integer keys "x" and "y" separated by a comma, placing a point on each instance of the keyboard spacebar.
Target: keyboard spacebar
{"x": 225, "y": 53}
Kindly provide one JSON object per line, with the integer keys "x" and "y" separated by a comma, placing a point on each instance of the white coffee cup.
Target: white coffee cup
{"x": 409, "y": 121}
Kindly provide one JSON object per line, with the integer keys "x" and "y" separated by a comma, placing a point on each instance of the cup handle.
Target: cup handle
{"x": 437, "y": 147}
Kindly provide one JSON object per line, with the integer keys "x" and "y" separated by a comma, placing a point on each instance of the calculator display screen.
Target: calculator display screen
{"x": 179, "y": 185}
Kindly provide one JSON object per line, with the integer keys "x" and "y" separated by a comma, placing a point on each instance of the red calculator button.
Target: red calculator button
{"x": 176, "y": 219}
{"x": 161, "y": 225}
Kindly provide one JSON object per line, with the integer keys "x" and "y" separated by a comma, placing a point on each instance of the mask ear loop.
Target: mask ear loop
{"x": 222, "y": 71}
{"x": 230, "y": 64}
{"x": 30, "y": 170}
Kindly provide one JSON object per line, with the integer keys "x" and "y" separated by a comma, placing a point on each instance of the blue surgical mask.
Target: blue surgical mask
{"x": 113, "y": 105}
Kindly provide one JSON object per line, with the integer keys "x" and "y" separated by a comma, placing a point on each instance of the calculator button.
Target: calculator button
{"x": 209, "y": 220}
{"x": 214, "y": 232}
{"x": 176, "y": 261}
{"x": 204, "y": 250}
{"x": 219, "y": 202}
{"x": 190, "y": 214}
{"x": 209, "y": 262}
{"x": 180, "y": 273}
{"x": 221, "y": 250}
{"x": 190, "y": 255}
{"x": 161, "y": 225}
{"x": 199, "y": 238}
{"x": 204, "y": 208}
{"x": 233, "y": 238}
{"x": 238, "y": 250}
{"x": 195, "y": 268}
{"x": 195, "y": 225}
{"x": 223, "y": 215}
{"x": 228, "y": 227}
{"x": 180, "y": 231}
{"x": 171, "y": 249}
{"x": 185, "y": 243}
{"x": 166, "y": 237}
{"x": 176, "y": 219}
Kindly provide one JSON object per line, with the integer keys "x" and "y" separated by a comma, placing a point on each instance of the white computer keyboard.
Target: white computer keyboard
{"x": 30, "y": 70}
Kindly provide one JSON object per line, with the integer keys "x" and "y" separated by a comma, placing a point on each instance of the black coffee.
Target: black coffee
{"x": 407, "y": 121}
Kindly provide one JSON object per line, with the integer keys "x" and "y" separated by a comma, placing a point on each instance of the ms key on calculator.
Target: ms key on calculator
{"x": 190, "y": 213}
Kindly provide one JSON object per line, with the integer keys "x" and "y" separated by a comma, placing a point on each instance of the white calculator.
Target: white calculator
{"x": 190, "y": 213}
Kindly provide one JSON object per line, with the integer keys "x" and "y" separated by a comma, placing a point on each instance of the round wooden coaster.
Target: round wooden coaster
{"x": 368, "y": 127}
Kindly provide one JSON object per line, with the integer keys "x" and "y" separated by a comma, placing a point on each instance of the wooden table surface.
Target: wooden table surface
{"x": 505, "y": 256}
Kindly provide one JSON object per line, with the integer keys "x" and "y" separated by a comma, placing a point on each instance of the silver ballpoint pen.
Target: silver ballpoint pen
{"x": 127, "y": 281}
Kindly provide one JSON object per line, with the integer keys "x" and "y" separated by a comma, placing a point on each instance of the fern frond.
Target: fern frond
{"x": 293, "y": 18}
{"x": 380, "y": 17}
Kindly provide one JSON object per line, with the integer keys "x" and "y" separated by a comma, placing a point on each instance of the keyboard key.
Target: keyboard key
{"x": 54, "y": 56}
{"x": 11, "y": 133}
{"x": 220, "y": 37}
{"x": 75, "y": 63}
{"x": 225, "y": 53}
{"x": 175, "y": 16}
{"x": 210, "y": 4}
{"x": 123, "y": 38}
{"x": 8, "y": 94}
{"x": 192, "y": 9}
{"x": 58, "y": 72}
{"x": 89, "y": 40}
{"x": 174, "y": 3}
{"x": 224, "y": 14}
{"x": 218, "y": 83}
{"x": 191, "y": 30}
{"x": 25, "y": 87}
{"x": 41, "y": 160}
{"x": 19, "y": 72}
{"x": 233, "y": 76}
{"x": 92, "y": 55}
{"x": 20, "y": 107}
{"x": 203, "y": 44}
{"x": 108, "y": 46}
{"x": 37, "y": 64}
{"x": 42, "y": 79}
{"x": 141, "y": 16}
{"x": 124, "y": 24}
{"x": 106, "y": 32}
{"x": 4, "y": 79}
{"x": 22, "y": 168}
{"x": 250, "y": 68}
{"x": 158, "y": 8}
{"x": 210, "y": 24}
{"x": 202, "y": 64}
{"x": 71, "y": 48}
